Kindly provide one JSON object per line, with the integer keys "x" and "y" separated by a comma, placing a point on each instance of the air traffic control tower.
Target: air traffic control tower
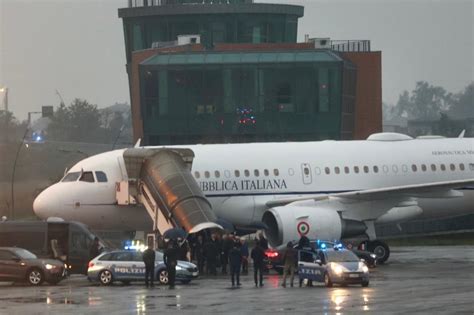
{"x": 223, "y": 71}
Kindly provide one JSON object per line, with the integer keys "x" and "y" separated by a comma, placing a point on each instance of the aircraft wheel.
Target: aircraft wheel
{"x": 380, "y": 249}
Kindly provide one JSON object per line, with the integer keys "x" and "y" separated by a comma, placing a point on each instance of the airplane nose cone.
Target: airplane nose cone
{"x": 39, "y": 205}
{"x": 44, "y": 205}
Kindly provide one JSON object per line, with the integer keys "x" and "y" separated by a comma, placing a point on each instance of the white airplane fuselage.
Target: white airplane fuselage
{"x": 239, "y": 179}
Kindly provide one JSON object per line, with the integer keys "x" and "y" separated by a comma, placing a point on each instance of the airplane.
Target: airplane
{"x": 324, "y": 190}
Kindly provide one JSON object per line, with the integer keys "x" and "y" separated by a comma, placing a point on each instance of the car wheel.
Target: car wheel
{"x": 105, "y": 277}
{"x": 163, "y": 276}
{"x": 381, "y": 250}
{"x": 327, "y": 280}
{"x": 35, "y": 277}
{"x": 365, "y": 284}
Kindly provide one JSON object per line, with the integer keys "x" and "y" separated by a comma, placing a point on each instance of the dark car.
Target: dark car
{"x": 274, "y": 257}
{"x": 18, "y": 264}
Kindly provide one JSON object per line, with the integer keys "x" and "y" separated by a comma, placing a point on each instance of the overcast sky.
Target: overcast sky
{"x": 77, "y": 47}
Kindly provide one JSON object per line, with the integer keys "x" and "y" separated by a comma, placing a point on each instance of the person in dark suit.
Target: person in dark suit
{"x": 211, "y": 254}
{"x": 95, "y": 249}
{"x": 235, "y": 261}
{"x": 199, "y": 253}
{"x": 170, "y": 258}
{"x": 258, "y": 256}
{"x": 149, "y": 260}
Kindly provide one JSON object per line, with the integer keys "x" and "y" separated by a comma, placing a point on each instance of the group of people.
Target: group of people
{"x": 220, "y": 252}
{"x": 227, "y": 253}
{"x": 213, "y": 253}
{"x": 171, "y": 255}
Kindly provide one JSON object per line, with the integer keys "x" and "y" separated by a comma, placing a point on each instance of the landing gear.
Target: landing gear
{"x": 380, "y": 249}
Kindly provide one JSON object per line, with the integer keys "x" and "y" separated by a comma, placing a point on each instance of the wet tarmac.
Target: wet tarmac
{"x": 418, "y": 280}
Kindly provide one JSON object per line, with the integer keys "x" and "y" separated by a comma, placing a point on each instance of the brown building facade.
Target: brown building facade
{"x": 243, "y": 78}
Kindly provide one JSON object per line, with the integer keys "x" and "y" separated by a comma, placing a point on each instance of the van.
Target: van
{"x": 66, "y": 241}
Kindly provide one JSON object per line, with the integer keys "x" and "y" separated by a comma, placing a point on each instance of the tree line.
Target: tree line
{"x": 430, "y": 103}
{"x": 80, "y": 121}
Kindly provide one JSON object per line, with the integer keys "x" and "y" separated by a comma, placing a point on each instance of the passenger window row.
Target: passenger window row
{"x": 375, "y": 169}
{"x": 237, "y": 173}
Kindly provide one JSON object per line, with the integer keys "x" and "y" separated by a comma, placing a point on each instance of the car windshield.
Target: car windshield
{"x": 24, "y": 254}
{"x": 341, "y": 256}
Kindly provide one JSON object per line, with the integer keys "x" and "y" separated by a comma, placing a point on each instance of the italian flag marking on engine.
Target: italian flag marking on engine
{"x": 303, "y": 228}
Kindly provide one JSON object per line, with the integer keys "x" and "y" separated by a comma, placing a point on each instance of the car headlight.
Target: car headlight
{"x": 373, "y": 256}
{"x": 364, "y": 268}
{"x": 179, "y": 268}
{"x": 337, "y": 269}
{"x": 49, "y": 266}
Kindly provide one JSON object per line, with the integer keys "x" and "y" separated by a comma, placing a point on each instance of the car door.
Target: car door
{"x": 10, "y": 266}
{"x": 307, "y": 267}
{"x": 321, "y": 265}
{"x": 138, "y": 266}
{"x": 122, "y": 266}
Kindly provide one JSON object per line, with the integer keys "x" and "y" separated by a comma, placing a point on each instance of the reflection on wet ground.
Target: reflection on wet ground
{"x": 418, "y": 280}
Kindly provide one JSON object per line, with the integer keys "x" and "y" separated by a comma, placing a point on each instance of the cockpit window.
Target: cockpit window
{"x": 71, "y": 177}
{"x": 87, "y": 177}
{"x": 101, "y": 177}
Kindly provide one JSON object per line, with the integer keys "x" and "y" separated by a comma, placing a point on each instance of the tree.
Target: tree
{"x": 80, "y": 121}
{"x": 7, "y": 119}
{"x": 463, "y": 105}
{"x": 426, "y": 102}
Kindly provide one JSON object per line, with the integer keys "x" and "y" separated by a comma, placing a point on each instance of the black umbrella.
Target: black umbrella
{"x": 226, "y": 225}
{"x": 175, "y": 233}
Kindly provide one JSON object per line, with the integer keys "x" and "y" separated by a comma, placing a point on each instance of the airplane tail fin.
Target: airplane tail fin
{"x": 138, "y": 144}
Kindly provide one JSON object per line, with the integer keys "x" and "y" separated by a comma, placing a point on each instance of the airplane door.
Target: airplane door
{"x": 306, "y": 173}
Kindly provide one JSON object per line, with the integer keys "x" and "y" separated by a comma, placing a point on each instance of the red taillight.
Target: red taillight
{"x": 91, "y": 264}
{"x": 271, "y": 253}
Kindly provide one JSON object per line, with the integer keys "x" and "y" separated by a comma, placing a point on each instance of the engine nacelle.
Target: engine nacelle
{"x": 288, "y": 223}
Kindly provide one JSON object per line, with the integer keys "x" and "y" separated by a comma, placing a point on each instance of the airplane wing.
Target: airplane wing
{"x": 446, "y": 189}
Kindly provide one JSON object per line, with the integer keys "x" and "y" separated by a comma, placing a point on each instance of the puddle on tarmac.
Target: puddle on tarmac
{"x": 46, "y": 300}
{"x": 180, "y": 306}
{"x": 148, "y": 296}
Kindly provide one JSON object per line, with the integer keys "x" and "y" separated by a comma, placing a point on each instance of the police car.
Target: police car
{"x": 274, "y": 257}
{"x": 127, "y": 266}
{"x": 332, "y": 266}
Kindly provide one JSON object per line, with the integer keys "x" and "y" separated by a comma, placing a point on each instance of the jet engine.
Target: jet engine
{"x": 288, "y": 223}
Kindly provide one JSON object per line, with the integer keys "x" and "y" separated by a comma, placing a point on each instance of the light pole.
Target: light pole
{"x": 4, "y": 90}
{"x": 12, "y": 189}
{"x": 12, "y": 213}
